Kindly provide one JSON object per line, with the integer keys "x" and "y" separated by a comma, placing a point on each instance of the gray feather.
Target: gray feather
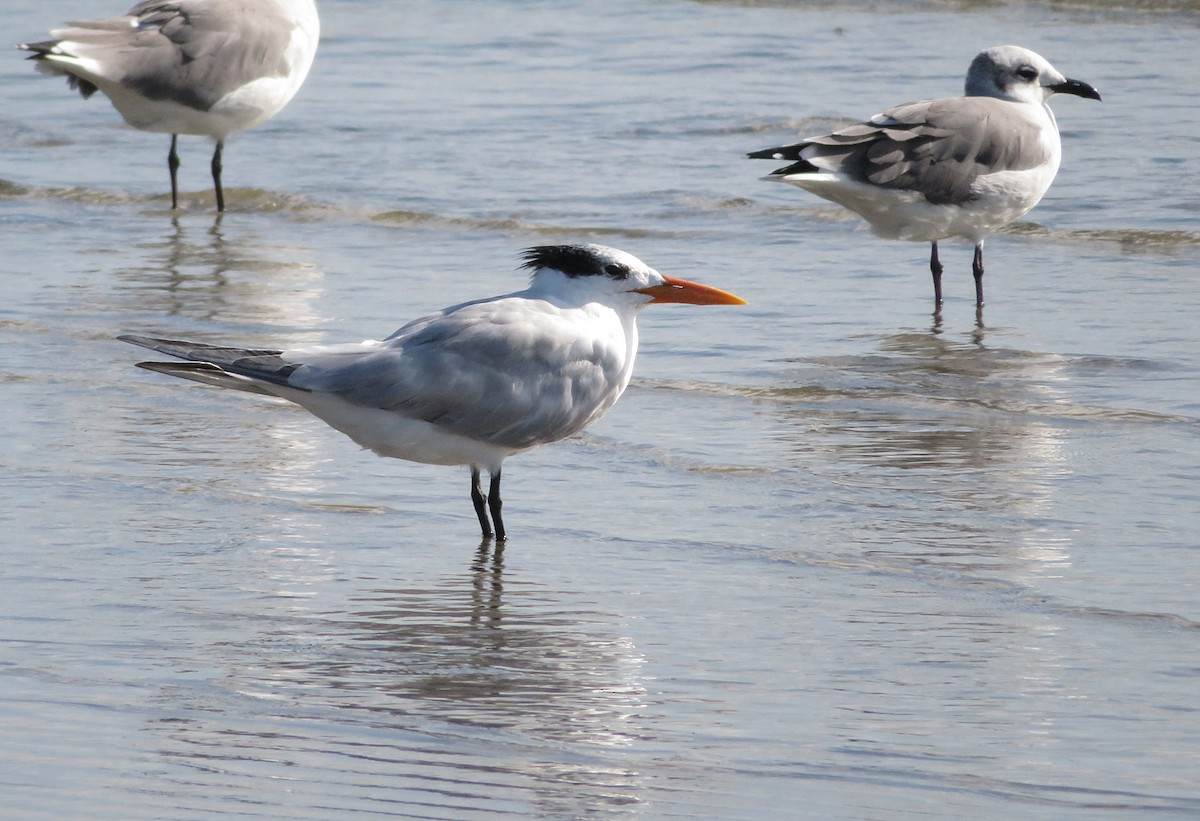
{"x": 180, "y": 51}
{"x": 937, "y": 148}
{"x": 266, "y": 365}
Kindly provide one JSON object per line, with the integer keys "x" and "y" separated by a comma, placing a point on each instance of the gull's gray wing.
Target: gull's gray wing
{"x": 193, "y": 52}
{"x": 937, "y": 148}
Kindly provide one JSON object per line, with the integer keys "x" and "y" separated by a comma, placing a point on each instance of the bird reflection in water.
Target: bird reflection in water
{"x": 977, "y": 332}
{"x": 947, "y": 448}
{"x": 487, "y": 584}
{"x": 441, "y": 681}
{"x": 226, "y": 273}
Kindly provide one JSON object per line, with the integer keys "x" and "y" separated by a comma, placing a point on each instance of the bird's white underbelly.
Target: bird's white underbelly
{"x": 169, "y": 117}
{"x": 244, "y": 107}
{"x": 998, "y": 199}
{"x": 388, "y": 433}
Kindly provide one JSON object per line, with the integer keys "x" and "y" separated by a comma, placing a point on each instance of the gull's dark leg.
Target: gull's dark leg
{"x": 480, "y": 504}
{"x": 216, "y": 172}
{"x": 935, "y": 267}
{"x": 977, "y": 270}
{"x": 495, "y": 504}
{"x": 173, "y": 167}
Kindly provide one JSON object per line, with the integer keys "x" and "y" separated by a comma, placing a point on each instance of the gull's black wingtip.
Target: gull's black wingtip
{"x": 765, "y": 154}
{"x": 781, "y": 152}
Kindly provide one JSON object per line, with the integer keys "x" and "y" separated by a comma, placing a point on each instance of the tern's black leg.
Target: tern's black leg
{"x": 935, "y": 267}
{"x": 494, "y": 504}
{"x": 173, "y": 167}
{"x": 480, "y": 504}
{"x": 216, "y": 172}
{"x": 977, "y": 270}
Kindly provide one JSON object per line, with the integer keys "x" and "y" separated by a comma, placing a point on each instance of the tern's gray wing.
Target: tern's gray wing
{"x": 236, "y": 368}
{"x": 937, "y": 148}
{"x": 482, "y": 374}
{"x": 193, "y": 52}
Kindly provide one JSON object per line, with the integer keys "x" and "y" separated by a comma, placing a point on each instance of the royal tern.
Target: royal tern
{"x": 473, "y": 383}
{"x": 951, "y": 167}
{"x": 202, "y": 67}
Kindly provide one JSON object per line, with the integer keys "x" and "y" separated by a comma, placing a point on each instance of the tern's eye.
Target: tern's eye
{"x": 617, "y": 271}
{"x": 1027, "y": 73}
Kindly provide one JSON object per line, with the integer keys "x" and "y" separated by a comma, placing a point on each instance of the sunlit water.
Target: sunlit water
{"x": 829, "y": 557}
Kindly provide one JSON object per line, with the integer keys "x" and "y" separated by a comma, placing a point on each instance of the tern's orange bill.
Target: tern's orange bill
{"x": 693, "y": 293}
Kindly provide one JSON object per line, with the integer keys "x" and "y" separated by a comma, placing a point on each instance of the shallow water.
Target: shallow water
{"x": 829, "y": 557}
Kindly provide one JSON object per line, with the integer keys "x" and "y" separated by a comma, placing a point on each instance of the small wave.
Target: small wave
{"x": 513, "y": 224}
{"x": 1168, "y": 619}
{"x": 1118, "y": 9}
{"x": 802, "y": 126}
{"x": 872, "y": 395}
{"x": 239, "y": 199}
{"x": 1131, "y": 239}
{"x": 300, "y": 207}
{"x": 12, "y": 189}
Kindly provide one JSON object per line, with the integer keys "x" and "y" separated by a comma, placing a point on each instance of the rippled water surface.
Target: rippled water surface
{"x": 830, "y": 556}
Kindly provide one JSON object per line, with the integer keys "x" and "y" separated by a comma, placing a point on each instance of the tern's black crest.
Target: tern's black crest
{"x": 572, "y": 260}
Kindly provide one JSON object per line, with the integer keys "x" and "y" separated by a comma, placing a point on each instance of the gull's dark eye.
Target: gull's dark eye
{"x": 617, "y": 270}
{"x": 1027, "y": 73}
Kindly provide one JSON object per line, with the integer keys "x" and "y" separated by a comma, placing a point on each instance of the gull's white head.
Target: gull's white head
{"x": 1020, "y": 76}
{"x": 611, "y": 275}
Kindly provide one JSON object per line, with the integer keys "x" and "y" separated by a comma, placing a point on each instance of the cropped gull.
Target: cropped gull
{"x": 200, "y": 67}
{"x": 476, "y": 382}
{"x": 950, "y": 167}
